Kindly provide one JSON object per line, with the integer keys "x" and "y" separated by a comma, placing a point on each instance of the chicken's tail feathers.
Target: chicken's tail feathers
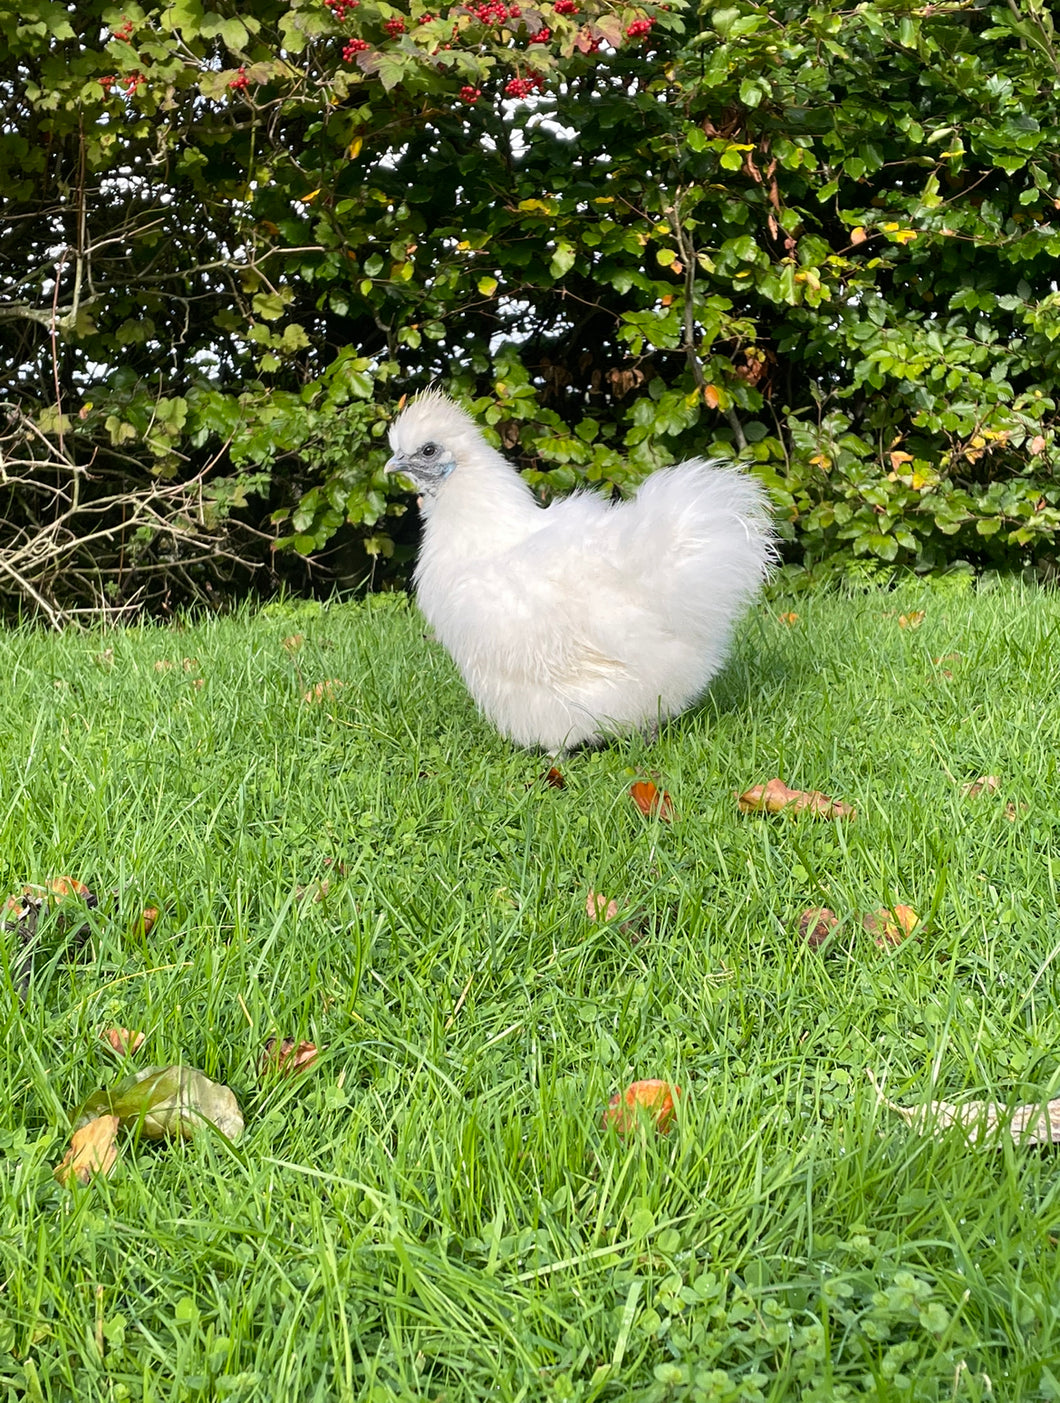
{"x": 708, "y": 524}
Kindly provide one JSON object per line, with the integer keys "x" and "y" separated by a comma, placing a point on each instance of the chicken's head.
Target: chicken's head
{"x": 428, "y": 440}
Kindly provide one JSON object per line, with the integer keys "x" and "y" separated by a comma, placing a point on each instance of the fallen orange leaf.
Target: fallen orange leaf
{"x": 124, "y": 1041}
{"x": 58, "y": 887}
{"x": 790, "y": 618}
{"x": 554, "y": 779}
{"x": 324, "y": 691}
{"x": 92, "y": 1151}
{"x": 890, "y": 926}
{"x": 912, "y": 620}
{"x": 652, "y": 801}
{"x": 287, "y": 1057}
{"x": 655, "y": 1099}
{"x": 775, "y": 797}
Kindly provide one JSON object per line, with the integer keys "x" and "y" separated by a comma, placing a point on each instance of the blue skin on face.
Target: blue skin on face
{"x": 428, "y": 466}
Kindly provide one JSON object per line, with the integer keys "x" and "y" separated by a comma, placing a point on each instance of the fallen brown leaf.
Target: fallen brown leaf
{"x": 985, "y": 784}
{"x": 148, "y": 916}
{"x": 92, "y": 1151}
{"x": 598, "y": 908}
{"x": 891, "y": 926}
{"x": 816, "y": 924}
{"x": 287, "y": 1058}
{"x": 652, "y": 1099}
{"x": 190, "y": 664}
{"x": 323, "y": 691}
{"x": 163, "y": 665}
{"x": 319, "y": 890}
{"x": 124, "y": 1041}
{"x": 652, "y": 801}
{"x": 775, "y": 797}
{"x": 1026, "y": 1125}
{"x": 105, "y": 658}
{"x": 554, "y": 779}
{"x": 293, "y": 642}
{"x": 911, "y": 620}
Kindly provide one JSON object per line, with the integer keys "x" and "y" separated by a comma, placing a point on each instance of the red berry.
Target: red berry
{"x": 542, "y": 36}
{"x": 638, "y": 28}
{"x": 107, "y": 82}
{"x": 354, "y": 46}
{"x": 566, "y": 7}
{"x": 517, "y": 87}
{"x": 240, "y": 80}
{"x": 395, "y": 26}
{"x": 469, "y": 94}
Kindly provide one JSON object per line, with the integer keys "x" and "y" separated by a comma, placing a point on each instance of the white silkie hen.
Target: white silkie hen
{"x": 586, "y": 618}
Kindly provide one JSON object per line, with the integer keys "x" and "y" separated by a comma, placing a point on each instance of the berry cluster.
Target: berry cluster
{"x": 395, "y": 26}
{"x": 341, "y": 8}
{"x": 638, "y": 28}
{"x": 469, "y": 94}
{"x": 107, "y": 82}
{"x": 134, "y": 82}
{"x": 523, "y": 87}
{"x": 542, "y": 36}
{"x": 425, "y": 19}
{"x": 354, "y": 46}
{"x": 125, "y": 30}
{"x": 494, "y": 12}
{"x": 240, "y": 81}
{"x": 566, "y": 7}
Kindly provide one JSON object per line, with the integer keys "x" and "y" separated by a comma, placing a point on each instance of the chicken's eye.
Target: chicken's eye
{"x": 429, "y": 450}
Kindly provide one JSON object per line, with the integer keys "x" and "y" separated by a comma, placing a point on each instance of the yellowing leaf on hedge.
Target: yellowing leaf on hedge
{"x": 858, "y": 235}
{"x": 308, "y": 199}
{"x": 487, "y": 286}
{"x": 354, "y": 148}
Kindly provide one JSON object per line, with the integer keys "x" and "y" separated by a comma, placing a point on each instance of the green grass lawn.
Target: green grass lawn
{"x": 435, "y": 1211}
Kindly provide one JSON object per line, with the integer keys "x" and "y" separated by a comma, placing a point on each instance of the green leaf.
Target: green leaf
{"x": 562, "y": 260}
{"x": 163, "y": 1102}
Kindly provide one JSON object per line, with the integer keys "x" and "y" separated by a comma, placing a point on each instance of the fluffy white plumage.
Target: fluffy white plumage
{"x": 585, "y": 618}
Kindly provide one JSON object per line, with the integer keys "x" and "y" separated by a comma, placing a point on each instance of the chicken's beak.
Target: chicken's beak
{"x": 394, "y": 465}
